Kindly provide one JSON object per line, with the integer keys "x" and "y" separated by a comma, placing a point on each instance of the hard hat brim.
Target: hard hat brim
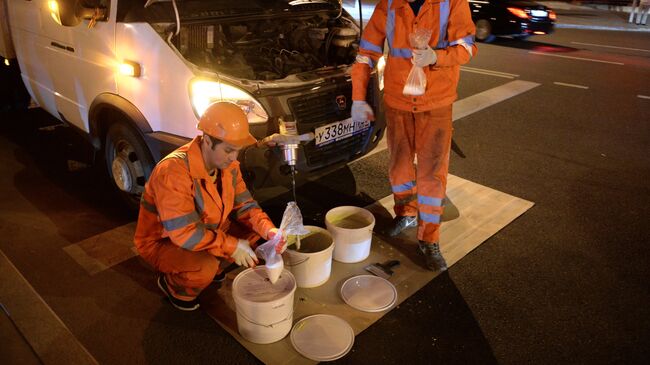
{"x": 249, "y": 140}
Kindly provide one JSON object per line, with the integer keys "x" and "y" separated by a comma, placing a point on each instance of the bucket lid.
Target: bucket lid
{"x": 368, "y": 293}
{"x": 254, "y": 285}
{"x": 322, "y": 337}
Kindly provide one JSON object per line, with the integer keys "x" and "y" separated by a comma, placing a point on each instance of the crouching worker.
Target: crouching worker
{"x": 196, "y": 214}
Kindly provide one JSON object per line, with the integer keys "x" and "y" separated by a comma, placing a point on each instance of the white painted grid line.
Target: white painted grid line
{"x": 643, "y": 96}
{"x": 487, "y": 73}
{"x": 571, "y": 85}
{"x": 473, "y": 104}
{"x": 467, "y": 68}
{"x": 576, "y": 58}
{"x": 607, "y": 46}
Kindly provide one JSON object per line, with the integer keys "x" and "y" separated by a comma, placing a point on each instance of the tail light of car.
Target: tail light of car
{"x": 552, "y": 15}
{"x": 519, "y": 13}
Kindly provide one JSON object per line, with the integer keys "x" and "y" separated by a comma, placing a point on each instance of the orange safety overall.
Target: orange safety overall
{"x": 185, "y": 225}
{"x": 417, "y": 125}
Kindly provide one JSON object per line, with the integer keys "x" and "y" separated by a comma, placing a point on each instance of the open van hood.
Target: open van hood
{"x": 290, "y": 2}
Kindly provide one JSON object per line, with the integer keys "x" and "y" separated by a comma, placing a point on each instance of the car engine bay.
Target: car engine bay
{"x": 269, "y": 49}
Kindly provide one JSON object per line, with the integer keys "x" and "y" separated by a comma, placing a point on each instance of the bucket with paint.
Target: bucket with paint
{"x": 351, "y": 229}
{"x": 264, "y": 310}
{"x": 312, "y": 263}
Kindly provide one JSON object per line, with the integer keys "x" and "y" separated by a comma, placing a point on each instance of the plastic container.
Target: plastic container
{"x": 311, "y": 265}
{"x": 264, "y": 310}
{"x": 351, "y": 229}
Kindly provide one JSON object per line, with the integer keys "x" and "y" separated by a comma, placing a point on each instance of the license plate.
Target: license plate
{"x": 339, "y": 130}
{"x": 539, "y": 13}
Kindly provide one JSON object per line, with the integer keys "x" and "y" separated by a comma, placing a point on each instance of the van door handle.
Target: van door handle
{"x": 61, "y": 46}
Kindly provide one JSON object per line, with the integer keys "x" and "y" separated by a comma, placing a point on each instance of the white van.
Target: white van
{"x": 134, "y": 75}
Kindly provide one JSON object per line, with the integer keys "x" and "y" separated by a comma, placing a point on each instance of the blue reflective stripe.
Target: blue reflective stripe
{"x": 195, "y": 238}
{"x": 370, "y": 46}
{"x": 246, "y": 208}
{"x": 198, "y": 197}
{"x": 180, "y": 222}
{"x": 401, "y": 52}
{"x": 430, "y": 218}
{"x": 465, "y": 40}
{"x": 444, "y": 19}
{"x": 234, "y": 177}
{"x": 390, "y": 25}
{"x": 403, "y": 187}
{"x": 148, "y": 206}
{"x": 434, "y": 202}
{"x": 243, "y": 197}
{"x": 212, "y": 225}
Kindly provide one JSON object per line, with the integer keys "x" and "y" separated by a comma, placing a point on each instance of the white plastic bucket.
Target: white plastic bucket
{"x": 351, "y": 229}
{"x": 264, "y": 310}
{"x": 312, "y": 264}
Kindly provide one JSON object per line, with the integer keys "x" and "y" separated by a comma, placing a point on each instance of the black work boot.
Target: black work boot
{"x": 184, "y": 305}
{"x": 401, "y": 223}
{"x": 432, "y": 256}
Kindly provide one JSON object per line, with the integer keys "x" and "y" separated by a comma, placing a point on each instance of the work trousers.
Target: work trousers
{"x": 419, "y": 190}
{"x": 189, "y": 272}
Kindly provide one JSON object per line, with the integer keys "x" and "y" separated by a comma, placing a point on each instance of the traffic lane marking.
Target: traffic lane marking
{"x": 643, "y": 97}
{"x": 576, "y": 58}
{"x": 488, "y": 72}
{"x": 45, "y": 332}
{"x": 615, "y": 47}
{"x": 571, "y": 85}
{"x": 472, "y": 104}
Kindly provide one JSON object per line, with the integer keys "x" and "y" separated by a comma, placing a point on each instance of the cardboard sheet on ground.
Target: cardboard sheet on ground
{"x": 479, "y": 213}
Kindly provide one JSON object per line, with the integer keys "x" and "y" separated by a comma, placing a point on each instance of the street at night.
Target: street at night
{"x": 559, "y": 120}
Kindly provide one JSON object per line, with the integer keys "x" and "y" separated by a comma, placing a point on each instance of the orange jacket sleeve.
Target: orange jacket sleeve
{"x": 371, "y": 48}
{"x": 460, "y": 33}
{"x": 247, "y": 211}
{"x": 173, "y": 197}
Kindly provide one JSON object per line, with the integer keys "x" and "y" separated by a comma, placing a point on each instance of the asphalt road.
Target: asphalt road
{"x": 567, "y": 282}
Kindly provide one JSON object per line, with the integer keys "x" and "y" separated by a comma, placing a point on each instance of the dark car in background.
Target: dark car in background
{"x": 518, "y": 19}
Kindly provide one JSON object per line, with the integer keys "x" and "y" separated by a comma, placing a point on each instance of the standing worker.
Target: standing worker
{"x": 417, "y": 125}
{"x": 196, "y": 214}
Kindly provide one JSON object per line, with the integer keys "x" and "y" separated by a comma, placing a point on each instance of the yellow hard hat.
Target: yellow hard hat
{"x": 227, "y": 122}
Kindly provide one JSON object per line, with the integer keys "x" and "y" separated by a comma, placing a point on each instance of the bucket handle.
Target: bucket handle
{"x": 265, "y": 325}
{"x": 297, "y": 263}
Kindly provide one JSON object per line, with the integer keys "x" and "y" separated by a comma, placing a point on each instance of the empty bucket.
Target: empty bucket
{"x": 351, "y": 230}
{"x": 311, "y": 265}
{"x": 264, "y": 310}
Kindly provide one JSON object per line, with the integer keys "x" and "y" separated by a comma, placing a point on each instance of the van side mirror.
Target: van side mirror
{"x": 70, "y": 13}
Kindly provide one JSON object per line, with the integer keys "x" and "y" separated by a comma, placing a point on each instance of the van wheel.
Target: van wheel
{"x": 129, "y": 163}
{"x": 484, "y": 31}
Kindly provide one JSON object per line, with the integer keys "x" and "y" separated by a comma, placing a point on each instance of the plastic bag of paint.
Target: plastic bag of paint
{"x": 291, "y": 225}
{"x": 416, "y": 82}
{"x": 292, "y": 221}
{"x": 272, "y": 260}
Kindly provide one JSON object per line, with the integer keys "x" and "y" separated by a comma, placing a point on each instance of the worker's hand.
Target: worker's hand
{"x": 244, "y": 255}
{"x": 361, "y": 111}
{"x": 282, "y": 245}
{"x": 424, "y": 57}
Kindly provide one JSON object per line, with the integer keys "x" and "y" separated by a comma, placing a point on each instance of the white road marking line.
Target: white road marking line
{"x": 643, "y": 96}
{"x": 473, "y": 104}
{"x": 487, "y": 73}
{"x": 576, "y": 58}
{"x": 467, "y": 68}
{"x": 606, "y": 46}
{"x": 571, "y": 85}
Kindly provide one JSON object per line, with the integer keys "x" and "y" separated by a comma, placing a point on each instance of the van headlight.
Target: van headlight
{"x": 381, "y": 64}
{"x": 204, "y": 92}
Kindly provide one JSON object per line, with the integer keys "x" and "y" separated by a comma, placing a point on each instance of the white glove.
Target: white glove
{"x": 361, "y": 111}
{"x": 244, "y": 255}
{"x": 424, "y": 57}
